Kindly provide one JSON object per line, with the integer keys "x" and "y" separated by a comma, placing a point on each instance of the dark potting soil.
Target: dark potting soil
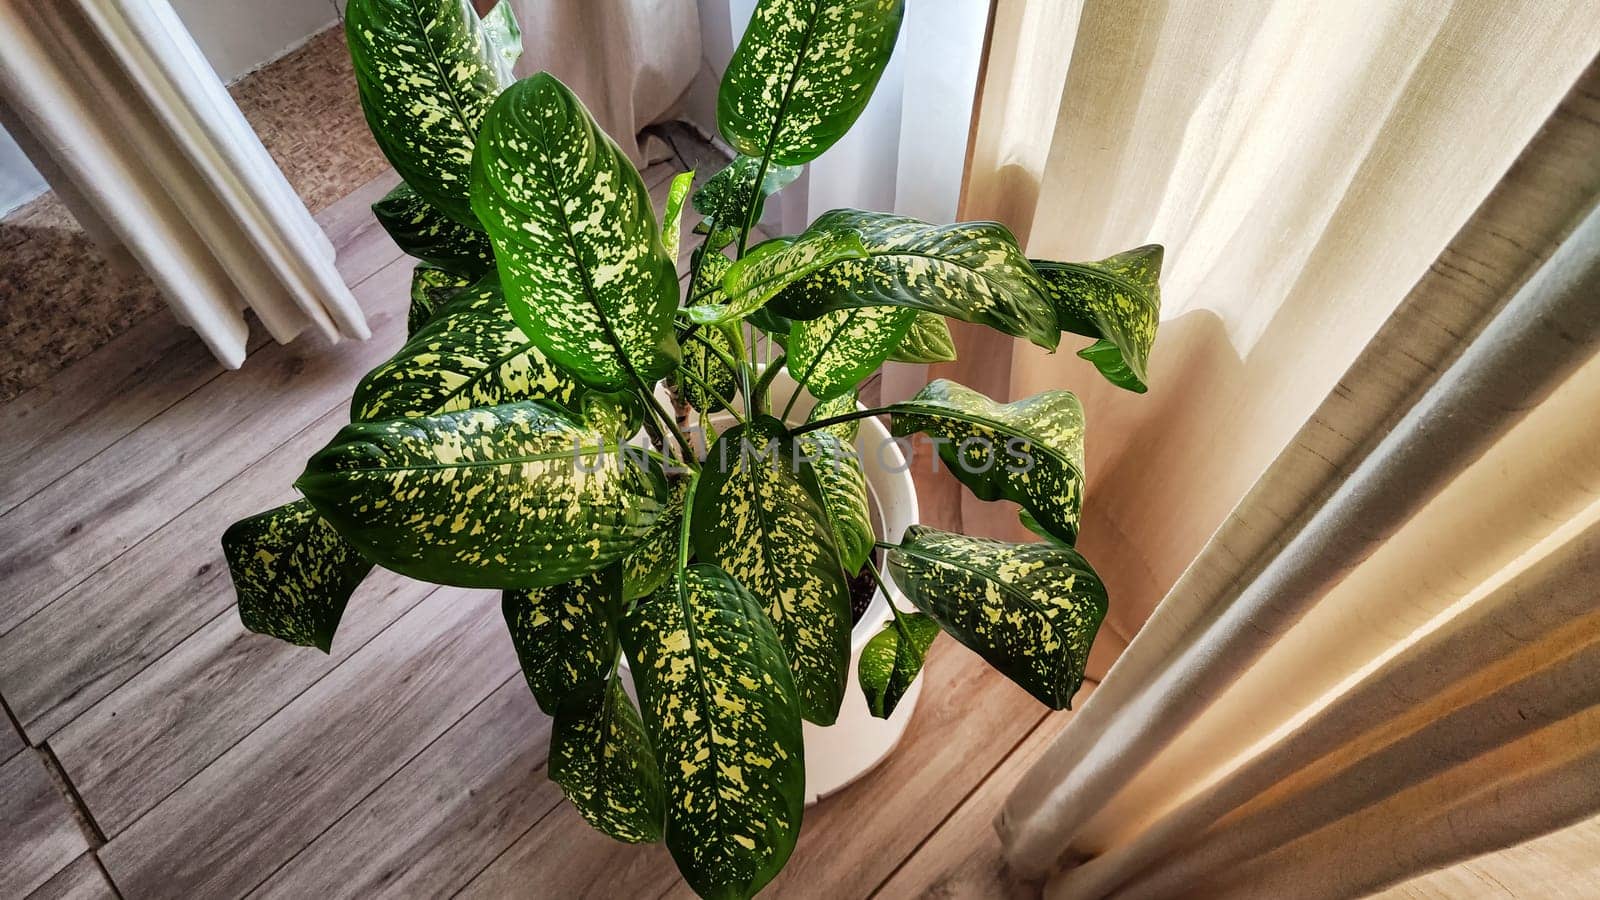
{"x": 862, "y": 586}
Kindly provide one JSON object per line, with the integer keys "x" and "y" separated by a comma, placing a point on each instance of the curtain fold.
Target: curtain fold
{"x": 116, "y": 103}
{"x": 630, "y": 60}
{"x": 1364, "y": 460}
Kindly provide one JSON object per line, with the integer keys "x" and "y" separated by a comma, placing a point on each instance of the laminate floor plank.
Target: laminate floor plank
{"x": 38, "y": 834}
{"x": 11, "y": 742}
{"x": 88, "y": 406}
{"x": 442, "y": 818}
{"x": 68, "y": 531}
{"x": 177, "y": 716}
{"x": 72, "y": 653}
{"x": 231, "y": 826}
{"x": 80, "y": 880}
{"x": 962, "y": 858}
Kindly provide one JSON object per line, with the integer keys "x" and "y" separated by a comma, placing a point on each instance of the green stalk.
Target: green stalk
{"x": 842, "y": 418}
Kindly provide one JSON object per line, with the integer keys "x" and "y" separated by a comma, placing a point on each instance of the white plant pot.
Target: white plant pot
{"x": 838, "y": 754}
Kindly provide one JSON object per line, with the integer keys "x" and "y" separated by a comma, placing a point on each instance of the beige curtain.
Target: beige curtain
{"x": 1369, "y": 653}
{"x": 631, "y": 61}
{"x": 114, "y": 103}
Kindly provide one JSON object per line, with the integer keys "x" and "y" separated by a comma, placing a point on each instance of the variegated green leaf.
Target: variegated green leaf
{"x": 837, "y": 351}
{"x": 803, "y": 73}
{"x": 575, "y": 238}
{"x": 431, "y": 288}
{"x": 425, "y": 75}
{"x": 504, "y": 37}
{"x": 672, "y": 218}
{"x": 971, "y": 271}
{"x": 614, "y": 416}
{"x": 293, "y": 574}
{"x": 1117, "y": 300}
{"x": 603, "y": 761}
{"x": 892, "y": 660}
{"x": 470, "y": 354}
{"x": 652, "y": 561}
{"x": 720, "y": 708}
{"x": 564, "y": 634}
{"x": 838, "y": 406}
{"x": 708, "y": 380}
{"x": 706, "y": 303}
{"x": 773, "y": 265}
{"x": 928, "y": 340}
{"x": 843, "y": 491}
{"x": 1029, "y": 451}
{"x": 726, "y": 197}
{"x": 421, "y": 230}
{"x": 758, "y": 516}
{"x": 1031, "y": 610}
{"x": 512, "y": 496}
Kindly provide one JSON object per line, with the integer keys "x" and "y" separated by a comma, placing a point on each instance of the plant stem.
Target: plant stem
{"x": 683, "y": 533}
{"x": 877, "y": 574}
{"x": 767, "y": 376}
{"x": 756, "y": 194}
{"x": 841, "y": 418}
{"x": 671, "y": 424}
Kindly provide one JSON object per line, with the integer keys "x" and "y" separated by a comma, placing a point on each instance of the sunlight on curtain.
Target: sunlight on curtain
{"x": 1388, "y": 695}
{"x": 630, "y": 60}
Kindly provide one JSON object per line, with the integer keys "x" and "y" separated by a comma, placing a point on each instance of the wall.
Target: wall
{"x": 237, "y": 36}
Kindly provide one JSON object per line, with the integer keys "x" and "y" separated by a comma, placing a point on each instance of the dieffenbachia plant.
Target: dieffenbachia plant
{"x": 680, "y": 609}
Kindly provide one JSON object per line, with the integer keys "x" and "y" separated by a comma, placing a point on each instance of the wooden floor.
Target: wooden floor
{"x": 156, "y": 749}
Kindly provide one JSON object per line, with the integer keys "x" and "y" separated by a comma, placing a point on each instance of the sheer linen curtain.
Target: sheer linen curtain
{"x": 1360, "y": 506}
{"x": 906, "y": 153}
{"x": 114, "y": 103}
{"x": 630, "y": 60}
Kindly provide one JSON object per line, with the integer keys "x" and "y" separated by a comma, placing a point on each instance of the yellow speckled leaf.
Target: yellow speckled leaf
{"x": 504, "y": 38}
{"x": 431, "y": 288}
{"x": 293, "y": 574}
{"x": 1029, "y": 451}
{"x": 832, "y": 354}
{"x": 720, "y": 708}
{"x": 672, "y": 218}
{"x": 972, "y": 271}
{"x": 1030, "y": 610}
{"x": 470, "y": 354}
{"x": 575, "y": 238}
{"x": 842, "y": 487}
{"x": 756, "y": 278}
{"x": 603, "y": 761}
{"x": 512, "y": 496}
{"x": 725, "y": 198}
{"x": 928, "y": 340}
{"x": 803, "y": 73}
{"x": 892, "y": 660}
{"x": 651, "y": 563}
{"x": 1118, "y": 300}
{"x": 564, "y": 634}
{"x": 426, "y": 75}
{"x": 709, "y": 381}
{"x": 838, "y": 406}
{"x": 422, "y": 231}
{"x": 758, "y": 516}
